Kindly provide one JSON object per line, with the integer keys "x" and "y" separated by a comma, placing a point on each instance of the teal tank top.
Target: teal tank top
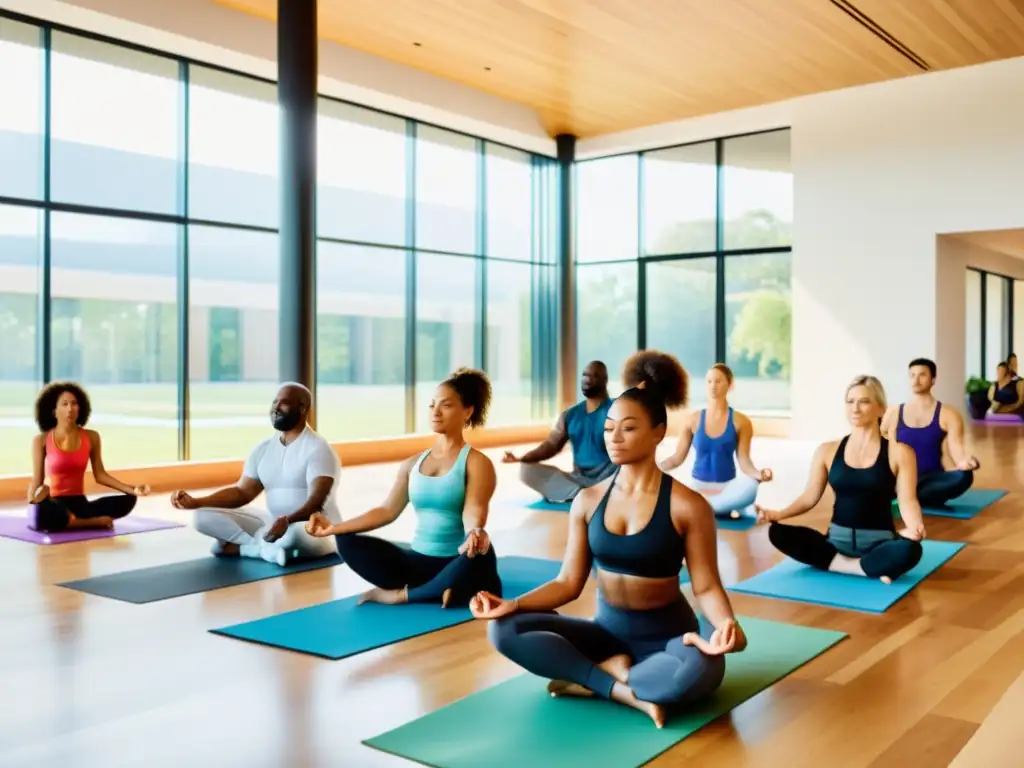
{"x": 439, "y": 502}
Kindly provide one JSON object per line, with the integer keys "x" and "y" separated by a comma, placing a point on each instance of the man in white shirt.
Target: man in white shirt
{"x": 296, "y": 469}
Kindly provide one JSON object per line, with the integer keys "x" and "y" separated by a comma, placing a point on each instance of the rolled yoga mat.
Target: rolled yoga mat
{"x": 160, "y": 582}
{"x": 518, "y": 723}
{"x": 16, "y": 527}
{"x": 341, "y": 628}
{"x": 963, "y": 507}
{"x": 790, "y": 580}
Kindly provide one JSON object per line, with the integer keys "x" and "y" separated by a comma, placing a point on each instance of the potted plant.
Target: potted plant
{"x": 977, "y": 397}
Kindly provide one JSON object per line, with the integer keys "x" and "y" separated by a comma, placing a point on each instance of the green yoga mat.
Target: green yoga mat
{"x": 517, "y": 723}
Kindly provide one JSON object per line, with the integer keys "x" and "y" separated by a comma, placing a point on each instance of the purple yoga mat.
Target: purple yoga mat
{"x": 16, "y": 527}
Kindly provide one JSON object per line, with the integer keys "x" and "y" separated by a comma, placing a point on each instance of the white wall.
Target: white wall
{"x": 205, "y": 31}
{"x": 879, "y": 171}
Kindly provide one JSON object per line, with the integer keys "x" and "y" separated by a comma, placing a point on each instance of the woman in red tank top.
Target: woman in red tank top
{"x": 61, "y": 454}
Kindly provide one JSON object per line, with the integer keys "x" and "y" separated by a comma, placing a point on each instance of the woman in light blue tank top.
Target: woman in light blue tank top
{"x": 450, "y": 488}
{"x": 714, "y": 467}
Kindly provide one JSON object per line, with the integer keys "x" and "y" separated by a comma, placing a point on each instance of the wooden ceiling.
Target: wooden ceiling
{"x": 591, "y": 67}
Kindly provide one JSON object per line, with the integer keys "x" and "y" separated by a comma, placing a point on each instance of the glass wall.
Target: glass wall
{"x": 139, "y": 255}
{"x": 687, "y": 249}
{"x": 991, "y": 323}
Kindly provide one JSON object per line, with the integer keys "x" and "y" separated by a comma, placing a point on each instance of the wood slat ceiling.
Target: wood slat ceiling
{"x": 597, "y": 66}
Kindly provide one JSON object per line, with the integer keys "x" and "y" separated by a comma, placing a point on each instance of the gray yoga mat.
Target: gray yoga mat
{"x": 161, "y": 582}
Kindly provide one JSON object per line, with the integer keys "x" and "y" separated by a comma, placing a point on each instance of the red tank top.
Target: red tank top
{"x": 66, "y": 469}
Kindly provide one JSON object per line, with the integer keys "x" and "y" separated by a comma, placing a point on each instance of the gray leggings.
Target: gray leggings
{"x": 664, "y": 671}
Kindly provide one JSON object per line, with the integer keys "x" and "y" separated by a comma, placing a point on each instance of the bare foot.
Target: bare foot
{"x": 624, "y": 695}
{"x": 445, "y": 597}
{"x": 103, "y": 522}
{"x": 384, "y": 596}
{"x": 617, "y": 667}
{"x": 565, "y": 688}
{"x": 885, "y": 580}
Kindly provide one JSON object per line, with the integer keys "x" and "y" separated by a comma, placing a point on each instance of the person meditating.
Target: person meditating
{"x": 582, "y": 426}
{"x": 923, "y": 424}
{"x": 643, "y": 648}
{"x": 450, "y": 487}
{"x": 61, "y": 454}
{"x": 717, "y": 434}
{"x": 297, "y": 470}
{"x": 866, "y": 471}
{"x": 1007, "y": 392}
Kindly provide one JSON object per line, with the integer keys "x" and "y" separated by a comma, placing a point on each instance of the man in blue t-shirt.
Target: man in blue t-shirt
{"x": 582, "y": 426}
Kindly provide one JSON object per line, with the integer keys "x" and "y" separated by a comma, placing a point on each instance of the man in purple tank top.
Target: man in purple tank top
{"x": 923, "y": 423}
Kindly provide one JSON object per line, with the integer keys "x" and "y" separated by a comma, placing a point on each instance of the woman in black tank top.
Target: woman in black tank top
{"x": 1007, "y": 392}
{"x": 644, "y": 648}
{"x": 866, "y": 473}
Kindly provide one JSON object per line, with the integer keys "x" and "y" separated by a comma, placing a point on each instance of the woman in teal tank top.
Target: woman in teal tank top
{"x": 450, "y": 487}
{"x": 714, "y": 469}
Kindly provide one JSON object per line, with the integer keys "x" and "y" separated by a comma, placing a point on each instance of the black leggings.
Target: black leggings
{"x": 934, "y": 489}
{"x": 881, "y": 553}
{"x": 388, "y": 566}
{"x": 53, "y": 514}
{"x": 663, "y": 671}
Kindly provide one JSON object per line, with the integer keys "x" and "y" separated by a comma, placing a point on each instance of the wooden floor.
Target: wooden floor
{"x": 86, "y": 681}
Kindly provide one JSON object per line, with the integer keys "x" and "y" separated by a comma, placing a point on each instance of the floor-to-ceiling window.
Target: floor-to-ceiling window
{"x": 991, "y": 322}
{"x": 139, "y": 255}
{"x": 687, "y": 249}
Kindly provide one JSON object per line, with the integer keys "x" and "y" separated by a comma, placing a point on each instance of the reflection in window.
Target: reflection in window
{"x": 606, "y": 307}
{"x": 509, "y": 174}
{"x": 233, "y": 339}
{"x": 606, "y": 205}
{"x": 360, "y": 342}
{"x": 758, "y": 328}
{"x": 115, "y": 126}
{"x": 20, "y": 230}
{"x": 115, "y": 329}
{"x": 681, "y": 315}
{"x": 233, "y": 149}
{"x": 21, "y": 114}
{"x": 680, "y": 208}
{"x": 446, "y": 323}
{"x": 757, "y": 191}
{"x": 446, "y": 191}
{"x": 975, "y": 366}
{"x": 361, "y": 174}
{"x": 509, "y": 347}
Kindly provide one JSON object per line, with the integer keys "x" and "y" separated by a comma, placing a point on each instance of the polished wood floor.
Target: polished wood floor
{"x": 86, "y": 681}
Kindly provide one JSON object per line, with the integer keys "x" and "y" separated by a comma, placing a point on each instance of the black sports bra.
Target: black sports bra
{"x": 656, "y": 552}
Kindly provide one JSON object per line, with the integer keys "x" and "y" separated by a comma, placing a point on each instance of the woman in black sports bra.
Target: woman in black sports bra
{"x": 643, "y": 648}
{"x": 866, "y": 473}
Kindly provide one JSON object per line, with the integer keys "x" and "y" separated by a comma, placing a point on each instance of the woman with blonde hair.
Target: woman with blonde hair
{"x": 718, "y": 454}
{"x": 866, "y": 472}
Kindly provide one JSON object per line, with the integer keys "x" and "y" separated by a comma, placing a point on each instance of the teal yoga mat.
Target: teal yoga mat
{"x": 517, "y": 723}
{"x": 341, "y": 628}
{"x": 789, "y": 580}
{"x": 550, "y": 506}
{"x": 963, "y": 507}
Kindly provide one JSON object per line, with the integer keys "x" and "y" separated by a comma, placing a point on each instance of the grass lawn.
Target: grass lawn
{"x": 139, "y": 422}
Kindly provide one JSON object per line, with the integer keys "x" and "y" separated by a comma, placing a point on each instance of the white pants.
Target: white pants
{"x": 736, "y": 495}
{"x": 246, "y": 528}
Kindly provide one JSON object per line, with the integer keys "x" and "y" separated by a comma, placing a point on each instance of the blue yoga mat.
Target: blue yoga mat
{"x": 790, "y": 580}
{"x": 341, "y": 628}
{"x": 741, "y": 523}
{"x": 966, "y": 506}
